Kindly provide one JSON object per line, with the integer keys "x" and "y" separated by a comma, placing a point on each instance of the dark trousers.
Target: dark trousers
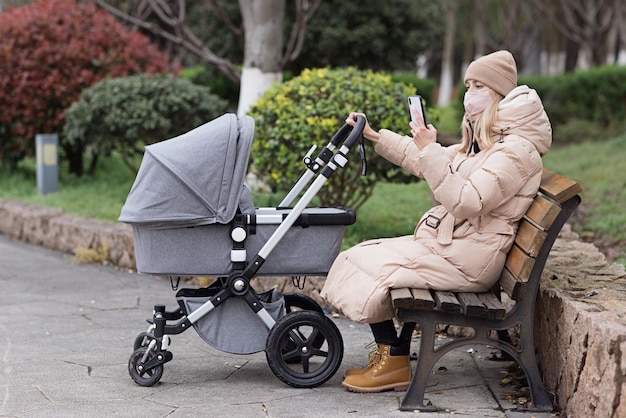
{"x": 385, "y": 333}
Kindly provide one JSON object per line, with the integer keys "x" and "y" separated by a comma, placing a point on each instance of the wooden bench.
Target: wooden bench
{"x": 484, "y": 312}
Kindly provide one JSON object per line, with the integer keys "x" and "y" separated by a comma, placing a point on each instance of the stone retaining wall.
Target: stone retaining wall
{"x": 54, "y": 229}
{"x": 580, "y": 330}
{"x": 580, "y": 320}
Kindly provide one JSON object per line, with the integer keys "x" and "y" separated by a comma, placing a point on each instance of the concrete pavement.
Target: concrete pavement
{"x": 66, "y": 333}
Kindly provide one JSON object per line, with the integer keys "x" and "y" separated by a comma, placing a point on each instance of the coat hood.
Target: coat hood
{"x": 521, "y": 113}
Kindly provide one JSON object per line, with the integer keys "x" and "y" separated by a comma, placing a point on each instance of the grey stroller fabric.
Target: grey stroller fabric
{"x": 194, "y": 179}
{"x": 205, "y": 250}
{"x": 233, "y": 327}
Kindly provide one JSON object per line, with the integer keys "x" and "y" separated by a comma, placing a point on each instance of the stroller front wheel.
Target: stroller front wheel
{"x": 142, "y": 340}
{"x": 304, "y": 349}
{"x": 141, "y": 375}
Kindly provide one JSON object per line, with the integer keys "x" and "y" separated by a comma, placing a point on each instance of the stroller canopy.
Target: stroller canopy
{"x": 193, "y": 179}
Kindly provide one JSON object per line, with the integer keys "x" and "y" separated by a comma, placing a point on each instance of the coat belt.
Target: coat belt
{"x": 446, "y": 223}
{"x": 444, "y": 232}
{"x": 444, "y": 227}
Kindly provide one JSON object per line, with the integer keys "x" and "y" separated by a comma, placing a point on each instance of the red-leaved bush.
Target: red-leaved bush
{"x": 50, "y": 51}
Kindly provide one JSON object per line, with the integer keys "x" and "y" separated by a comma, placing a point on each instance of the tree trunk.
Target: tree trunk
{"x": 447, "y": 65}
{"x": 620, "y": 55}
{"x": 93, "y": 164}
{"x": 263, "y": 21}
{"x": 481, "y": 23}
{"x": 74, "y": 157}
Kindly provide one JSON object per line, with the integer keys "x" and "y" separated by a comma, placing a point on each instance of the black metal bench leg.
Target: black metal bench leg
{"x": 414, "y": 398}
{"x": 540, "y": 399}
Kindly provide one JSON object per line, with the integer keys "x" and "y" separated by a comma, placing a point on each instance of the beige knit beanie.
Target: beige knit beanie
{"x": 496, "y": 70}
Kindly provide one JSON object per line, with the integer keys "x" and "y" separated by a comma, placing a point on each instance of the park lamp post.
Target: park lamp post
{"x": 47, "y": 146}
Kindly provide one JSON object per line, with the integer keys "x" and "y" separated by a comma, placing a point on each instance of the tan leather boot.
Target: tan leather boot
{"x": 372, "y": 358}
{"x": 387, "y": 372}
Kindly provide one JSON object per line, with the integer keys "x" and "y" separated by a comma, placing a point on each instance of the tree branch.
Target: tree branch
{"x": 221, "y": 14}
{"x": 304, "y": 13}
{"x": 549, "y": 10}
{"x": 180, "y": 33}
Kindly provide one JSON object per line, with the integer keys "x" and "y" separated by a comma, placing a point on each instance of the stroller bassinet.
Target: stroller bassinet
{"x": 185, "y": 197}
{"x": 192, "y": 215}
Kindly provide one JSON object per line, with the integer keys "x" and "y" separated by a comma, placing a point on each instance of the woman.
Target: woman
{"x": 484, "y": 186}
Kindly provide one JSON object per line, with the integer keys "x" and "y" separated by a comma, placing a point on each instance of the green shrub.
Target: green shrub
{"x": 597, "y": 95}
{"x": 216, "y": 81}
{"x": 425, "y": 87}
{"x": 125, "y": 114}
{"x": 308, "y": 110}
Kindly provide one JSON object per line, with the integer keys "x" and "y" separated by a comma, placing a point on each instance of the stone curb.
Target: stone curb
{"x": 52, "y": 228}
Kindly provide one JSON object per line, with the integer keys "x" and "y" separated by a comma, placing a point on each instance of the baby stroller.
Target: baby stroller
{"x": 192, "y": 215}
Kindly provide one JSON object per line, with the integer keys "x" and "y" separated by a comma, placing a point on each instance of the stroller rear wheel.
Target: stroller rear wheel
{"x": 141, "y": 375}
{"x": 298, "y": 301}
{"x": 304, "y": 349}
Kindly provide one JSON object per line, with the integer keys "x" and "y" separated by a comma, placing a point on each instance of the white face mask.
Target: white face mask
{"x": 477, "y": 102}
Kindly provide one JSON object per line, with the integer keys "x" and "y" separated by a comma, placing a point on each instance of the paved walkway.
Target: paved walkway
{"x": 66, "y": 332}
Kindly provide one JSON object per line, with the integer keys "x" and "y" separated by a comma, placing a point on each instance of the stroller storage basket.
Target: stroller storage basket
{"x": 232, "y": 327}
{"x": 310, "y": 246}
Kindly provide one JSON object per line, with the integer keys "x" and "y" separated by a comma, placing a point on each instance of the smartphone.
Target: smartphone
{"x": 415, "y": 103}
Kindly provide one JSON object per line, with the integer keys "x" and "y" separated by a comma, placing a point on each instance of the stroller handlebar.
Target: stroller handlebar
{"x": 340, "y": 135}
{"x": 349, "y": 135}
{"x": 357, "y": 132}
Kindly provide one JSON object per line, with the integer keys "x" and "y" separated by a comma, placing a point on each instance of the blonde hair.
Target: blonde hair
{"x": 482, "y": 128}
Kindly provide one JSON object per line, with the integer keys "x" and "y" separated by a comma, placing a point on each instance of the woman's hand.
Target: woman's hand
{"x": 368, "y": 132}
{"x": 422, "y": 135}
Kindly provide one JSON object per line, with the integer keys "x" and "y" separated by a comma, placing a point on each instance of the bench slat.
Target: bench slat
{"x": 422, "y": 299}
{"x": 558, "y": 187}
{"x": 542, "y": 212}
{"x": 519, "y": 264}
{"x": 529, "y": 238}
{"x": 401, "y": 298}
{"x": 447, "y": 302}
{"x": 419, "y": 299}
{"x": 471, "y": 304}
{"x": 510, "y": 284}
{"x": 495, "y": 308}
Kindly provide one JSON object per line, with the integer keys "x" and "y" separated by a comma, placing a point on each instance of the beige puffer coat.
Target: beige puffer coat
{"x": 461, "y": 244}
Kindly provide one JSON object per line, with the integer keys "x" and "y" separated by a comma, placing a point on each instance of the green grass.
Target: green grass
{"x": 393, "y": 209}
{"x": 599, "y": 167}
{"x": 100, "y": 196}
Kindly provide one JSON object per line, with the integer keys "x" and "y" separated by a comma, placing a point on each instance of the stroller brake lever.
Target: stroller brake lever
{"x": 363, "y": 158}
{"x": 307, "y": 157}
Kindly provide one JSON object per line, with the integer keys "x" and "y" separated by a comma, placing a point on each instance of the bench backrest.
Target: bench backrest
{"x": 557, "y": 199}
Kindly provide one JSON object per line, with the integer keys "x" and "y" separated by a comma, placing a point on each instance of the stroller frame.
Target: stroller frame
{"x": 297, "y": 340}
